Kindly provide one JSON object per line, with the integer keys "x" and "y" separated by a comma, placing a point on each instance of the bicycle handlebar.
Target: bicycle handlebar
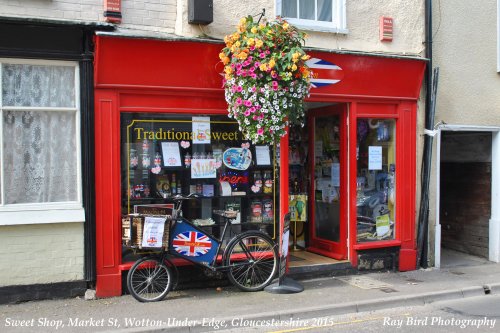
{"x": 230, "y": 214}
{"x": 180, "y": 197}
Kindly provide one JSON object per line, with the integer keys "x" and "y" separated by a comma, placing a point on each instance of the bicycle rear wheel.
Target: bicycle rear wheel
{"x": 149, "y": 279}
{"x": 253, "y": 261}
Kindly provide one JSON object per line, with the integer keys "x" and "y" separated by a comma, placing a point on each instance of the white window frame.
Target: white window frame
{"x": 49, "y": 212}
{"x": 339, "y": 24}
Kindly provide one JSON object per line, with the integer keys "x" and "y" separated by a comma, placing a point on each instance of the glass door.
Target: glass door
{"x": 327, "y": 137}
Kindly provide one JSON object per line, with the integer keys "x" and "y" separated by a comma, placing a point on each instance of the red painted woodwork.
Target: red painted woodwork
{"x": 147, "y": 75}
{"x": 336, "y": 250}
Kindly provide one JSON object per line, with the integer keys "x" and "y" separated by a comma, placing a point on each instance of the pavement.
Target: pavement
{"x": 218, "y": 309}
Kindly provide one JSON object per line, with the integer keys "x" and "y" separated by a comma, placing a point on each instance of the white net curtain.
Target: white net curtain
{"x": 39, "y": 146}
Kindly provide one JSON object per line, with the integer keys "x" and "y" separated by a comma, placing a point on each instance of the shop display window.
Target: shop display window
{"x": 164, "y": 155}
{"x": 376, "y": 179}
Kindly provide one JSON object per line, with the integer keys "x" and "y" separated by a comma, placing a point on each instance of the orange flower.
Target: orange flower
{"x": 272, "y": 63}
{"x": 243, "y": 55}
{"x": 222, "y": 55}
{"x": 228, "y": 69}
{"x": 225, "y": 60}
{"x": 258, "y": 43}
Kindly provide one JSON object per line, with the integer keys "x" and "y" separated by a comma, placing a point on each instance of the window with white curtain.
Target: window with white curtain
{"x": 39, "y": 142}
{"x": 322, "y": 15}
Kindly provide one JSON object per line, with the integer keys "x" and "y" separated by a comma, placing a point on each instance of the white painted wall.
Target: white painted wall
{"x": 170, "y": 16}
{"x": 362, "y": 23}
{"x": 465, "y": 50}
{"x": 44, "y": 253}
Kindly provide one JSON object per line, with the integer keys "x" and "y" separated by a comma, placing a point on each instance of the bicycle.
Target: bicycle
{"x": 250, "y": 259}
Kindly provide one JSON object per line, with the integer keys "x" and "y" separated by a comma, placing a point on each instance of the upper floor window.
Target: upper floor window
{"x": 321, "y": 15}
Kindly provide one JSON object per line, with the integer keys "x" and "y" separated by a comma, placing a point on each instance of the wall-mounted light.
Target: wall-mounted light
{"x": 200, "y": 11}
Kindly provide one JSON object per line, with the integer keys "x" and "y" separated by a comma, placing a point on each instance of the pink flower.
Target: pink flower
{"x": 253, "y": 75}
{"x": 262, "y": 55}
{"x": 248, "y": 103}
{"x": 247, "y": 113}
{"x": 260, "y": 131}
{"x": 238, "y": 101}
{"x": 239, "y": 89}
{"x": 252, "y": 109}
{"x": 256, "y": 64}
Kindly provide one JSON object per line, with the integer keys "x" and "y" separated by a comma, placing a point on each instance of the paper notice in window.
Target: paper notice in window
{"x": 374, "y": 158}
{"x": 201, "y": 130}
{"x": 153, "y": 232}
{"x": 262, "y": 155}
{"x": 336, "y": 174}
{"x": 171, "y": 154}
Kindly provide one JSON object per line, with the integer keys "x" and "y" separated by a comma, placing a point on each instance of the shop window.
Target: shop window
{"x": 376, "y": 179}
{"x": 165, "y": 154}
{"x": 322, "y": 15}
{"x": 39, "y": 143}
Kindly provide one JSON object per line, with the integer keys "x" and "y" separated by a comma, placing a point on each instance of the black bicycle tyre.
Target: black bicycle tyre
{"x": 259, "y": 271}
{"x": 149, "y": 276}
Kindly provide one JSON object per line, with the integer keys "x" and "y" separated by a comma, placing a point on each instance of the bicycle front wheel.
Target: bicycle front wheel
{"x": 253, "y": 261}
{"x": 149, "y": 279}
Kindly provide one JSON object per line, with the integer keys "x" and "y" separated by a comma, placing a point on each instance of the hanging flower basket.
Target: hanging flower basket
{"x": 266, "y": 78}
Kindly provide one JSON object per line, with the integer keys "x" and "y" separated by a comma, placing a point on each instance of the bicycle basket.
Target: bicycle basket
{"x": 133, "y": 230}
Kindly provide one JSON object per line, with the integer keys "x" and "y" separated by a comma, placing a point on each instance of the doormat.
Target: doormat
{"x": 364, "y": 282}
{"x": 294, "y": 258}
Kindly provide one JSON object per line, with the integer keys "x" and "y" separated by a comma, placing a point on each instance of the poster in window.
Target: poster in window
{"x": 374, "y": 158}
{"x": 171, "y": 154}
{"x": 201, "y": 130}
{"x": 262, "y": 155}
{"x": 203, "y": 168}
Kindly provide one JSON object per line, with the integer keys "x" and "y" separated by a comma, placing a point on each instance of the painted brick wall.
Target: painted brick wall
{"x": 153, "y": 15}
{"x": 54, "y": 9}
{"x": 44, "y": 253}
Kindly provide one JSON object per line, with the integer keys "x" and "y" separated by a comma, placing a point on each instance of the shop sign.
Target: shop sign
{"x": 324, "y": 73}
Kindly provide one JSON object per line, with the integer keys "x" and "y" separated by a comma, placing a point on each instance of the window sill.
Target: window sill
{"x": 313, "y": 27}
{"x": 46, "y": 216}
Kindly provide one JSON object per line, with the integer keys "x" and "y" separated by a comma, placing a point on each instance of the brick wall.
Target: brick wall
{"x": 44, "y": 253}
{"x": 153, "y": 15}
{"x": 54, "y": 9}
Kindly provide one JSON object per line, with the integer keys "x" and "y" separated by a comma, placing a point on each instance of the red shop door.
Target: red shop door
{"x": 328, "y": 173}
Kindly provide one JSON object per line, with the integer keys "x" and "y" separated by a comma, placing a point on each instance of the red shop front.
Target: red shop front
{"x": 354, "y": 162}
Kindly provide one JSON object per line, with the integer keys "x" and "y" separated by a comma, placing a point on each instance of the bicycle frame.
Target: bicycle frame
{"x": 176, "y": 230}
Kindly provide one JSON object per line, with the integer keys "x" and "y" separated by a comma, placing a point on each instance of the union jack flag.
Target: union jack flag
{"x": 324, "y": 73}
{"x": 192, "y": 243}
